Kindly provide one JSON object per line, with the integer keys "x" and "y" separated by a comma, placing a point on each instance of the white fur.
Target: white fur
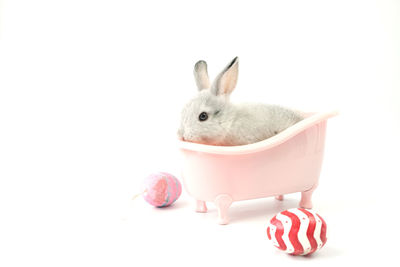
{"x": 229, "y": 124}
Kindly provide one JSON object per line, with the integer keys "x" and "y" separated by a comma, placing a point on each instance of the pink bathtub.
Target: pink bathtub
{"x": 286, "y": 163}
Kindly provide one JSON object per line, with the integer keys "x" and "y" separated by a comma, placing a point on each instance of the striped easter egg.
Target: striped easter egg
{"x": 161, "y": 189}
{"x": 297, "y": 231}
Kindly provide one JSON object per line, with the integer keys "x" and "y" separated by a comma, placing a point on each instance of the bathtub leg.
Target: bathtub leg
{"x": 305, "y": 201}
{"x": 223, "y": 202}
{"x": 280, "y": 197}
{"x": 201, "y": 206}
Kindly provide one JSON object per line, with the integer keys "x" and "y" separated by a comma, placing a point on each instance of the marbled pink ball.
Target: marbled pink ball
{"x": 161, "y": 189}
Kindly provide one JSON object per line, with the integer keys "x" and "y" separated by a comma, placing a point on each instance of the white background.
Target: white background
{"x": 90, "y": 95}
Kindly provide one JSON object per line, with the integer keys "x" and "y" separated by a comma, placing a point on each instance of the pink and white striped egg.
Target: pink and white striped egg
{"x": 161, "y": 189}
{"x": 297, "y": 231}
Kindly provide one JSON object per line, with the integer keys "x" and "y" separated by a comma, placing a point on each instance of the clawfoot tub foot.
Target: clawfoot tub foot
{"x": 280, "y": 197}
{"x": 223, "y": 202}
{"x": 201, "y": 206}
{"x": 305, "y": 201}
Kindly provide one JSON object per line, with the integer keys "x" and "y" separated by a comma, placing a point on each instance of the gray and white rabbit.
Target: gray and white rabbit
{"x": 210, "y": 118}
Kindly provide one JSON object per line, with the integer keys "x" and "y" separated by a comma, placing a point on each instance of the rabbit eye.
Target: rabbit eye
{"x": 203, "y": 116}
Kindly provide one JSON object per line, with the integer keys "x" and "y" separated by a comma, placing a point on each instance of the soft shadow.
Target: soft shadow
{"x": 326, "y": 252}
{"x": 259, "y": 209}
{"x": 176, "y": 205}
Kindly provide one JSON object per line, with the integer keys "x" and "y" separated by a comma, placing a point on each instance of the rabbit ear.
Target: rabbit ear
{"x": 201, "y": 75}
{"x": 227, "y": 79}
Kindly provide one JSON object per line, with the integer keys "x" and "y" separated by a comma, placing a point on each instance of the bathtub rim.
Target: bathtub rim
{"x": 312, "y": 118}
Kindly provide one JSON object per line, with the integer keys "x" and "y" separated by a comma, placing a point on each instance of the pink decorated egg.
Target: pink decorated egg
{"x": 297, "y": 231}
{"x": 161, "y": 189}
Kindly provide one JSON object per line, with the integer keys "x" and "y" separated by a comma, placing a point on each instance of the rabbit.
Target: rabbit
{"x": 211, "y": 119}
